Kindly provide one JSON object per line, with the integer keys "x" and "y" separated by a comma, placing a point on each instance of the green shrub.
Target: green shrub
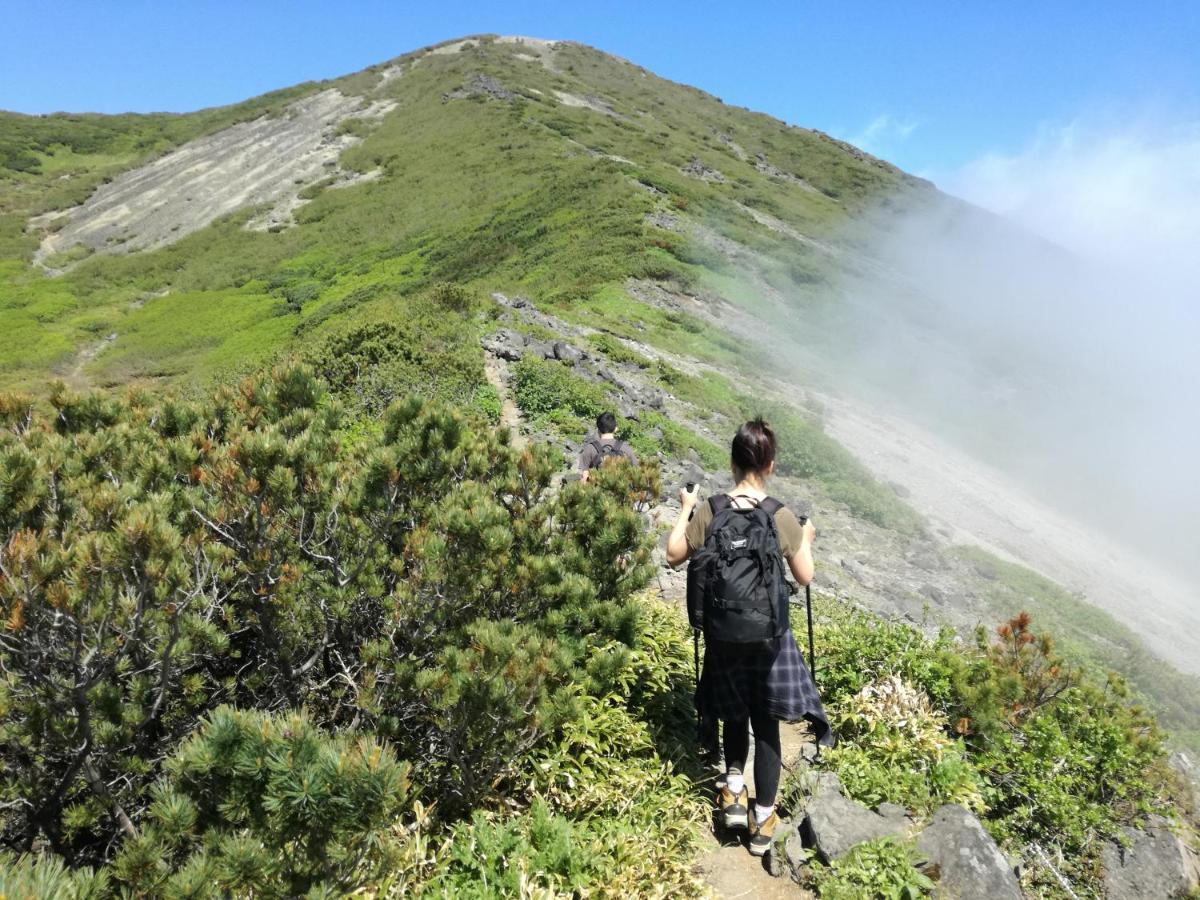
{"x": 1062, "y": 758}
{"x": 424, "y": 584}
{"x": 34, "y": 877}
{"x": 884, "y": 869}
{"x": 616, "y": 351}
{"x": 896, "y": 748}
{"x": 270, "y": 806}
{"x": 549, "y": 392}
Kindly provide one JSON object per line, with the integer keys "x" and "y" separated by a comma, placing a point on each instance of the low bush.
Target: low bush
{"x": 883, "y": 868}
{"x": 616, "y": 351}
{"x": 1049, "y": 756}
{"x": 163, "y": 559}
{"x": 897, "y": 748}
{"x": 551, "y": 395}
{"x": 268, "y": 806}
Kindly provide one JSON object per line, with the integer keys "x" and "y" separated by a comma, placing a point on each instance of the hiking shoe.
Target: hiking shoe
{"x": 734, "y": 809}
{"x": 761, "y": 836}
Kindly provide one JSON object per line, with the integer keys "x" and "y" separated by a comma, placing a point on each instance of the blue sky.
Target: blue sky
{"x": 931, "y": 86}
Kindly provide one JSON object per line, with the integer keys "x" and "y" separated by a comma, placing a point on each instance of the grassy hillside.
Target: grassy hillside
{"x": 528, "y": 193}
{"x": 554, "y": 171}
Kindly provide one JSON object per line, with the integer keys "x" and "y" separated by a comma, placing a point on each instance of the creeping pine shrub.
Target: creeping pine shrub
{"x": 369, "y": 362}
{"x": 885, "y": 869}
{"x": 268, "y": 806}
{"x": 163, "y": 559}
{"x": 37, "y": 876}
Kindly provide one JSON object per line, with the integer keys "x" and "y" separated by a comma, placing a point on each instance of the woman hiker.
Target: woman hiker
{"x": 759, "y": 683}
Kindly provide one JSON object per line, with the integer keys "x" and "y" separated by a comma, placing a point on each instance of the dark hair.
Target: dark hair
{"x": 753, "y": 447}
{"x": 606, "y": 423}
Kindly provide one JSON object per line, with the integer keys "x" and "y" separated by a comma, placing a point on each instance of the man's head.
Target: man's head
{"x": 606, "y": 423}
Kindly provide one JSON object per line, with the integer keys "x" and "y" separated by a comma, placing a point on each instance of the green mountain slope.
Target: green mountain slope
{"x": 643, "y": 212}
{"x": 529, "y": 167}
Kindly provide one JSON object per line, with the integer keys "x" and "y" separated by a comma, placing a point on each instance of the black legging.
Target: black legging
{"x": 768, "y": 764}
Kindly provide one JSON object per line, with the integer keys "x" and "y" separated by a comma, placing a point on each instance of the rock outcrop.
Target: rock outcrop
{"x": 967, "y": 862}
{"x": 833, "y": 823}
{"x": 960, "y": 855}
{"x": 1156, "y": 863}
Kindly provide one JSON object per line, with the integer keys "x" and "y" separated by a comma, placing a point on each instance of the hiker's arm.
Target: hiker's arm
{"x": 801, "y": 562}
{"x": 678, "y": 548}
{"x": 585, "y": 461}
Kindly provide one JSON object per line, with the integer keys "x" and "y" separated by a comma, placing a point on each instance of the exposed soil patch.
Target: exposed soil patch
{"x": 978, "y": 505}
{"x": 266, "y": 161}
{"x": 588, "y": 101}
{"x": 496, "y": 370}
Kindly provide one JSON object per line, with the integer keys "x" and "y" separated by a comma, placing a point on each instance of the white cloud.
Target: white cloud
{"x": 883, "y": 133}
{"x": 1128, "y": 195}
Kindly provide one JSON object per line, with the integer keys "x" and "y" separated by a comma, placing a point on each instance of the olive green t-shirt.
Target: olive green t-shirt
{"x": 786, "y": 525}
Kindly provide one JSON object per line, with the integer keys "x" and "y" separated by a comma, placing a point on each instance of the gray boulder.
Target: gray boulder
{"x": 1155, "y": 864}
{"x": 970, "y": 864}
{"x": 567, "y": 353}
{"x": 833, "y": 824}
{"x": 892, "y": 811}
{"x": 1190, "y": 773}
{"x": 506, "y": 344}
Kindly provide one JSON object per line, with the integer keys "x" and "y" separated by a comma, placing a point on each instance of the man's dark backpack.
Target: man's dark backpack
{"x": 737, "y": 591}
{"x": 605, "y": 450}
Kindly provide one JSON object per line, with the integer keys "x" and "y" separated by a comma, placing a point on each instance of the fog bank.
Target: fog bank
{"x": 1055, "y": 338}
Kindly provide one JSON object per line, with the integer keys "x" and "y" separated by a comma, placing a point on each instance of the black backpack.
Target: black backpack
{"x": 736, "y": 590}
{"x": 605, "y": 451}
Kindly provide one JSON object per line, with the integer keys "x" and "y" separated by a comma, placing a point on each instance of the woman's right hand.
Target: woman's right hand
{"x": 808, "y": 532}
{"x": 687, "y": 499}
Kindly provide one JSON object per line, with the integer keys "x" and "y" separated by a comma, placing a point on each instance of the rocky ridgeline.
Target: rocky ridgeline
{"x": 963, "y": 859}
{"x": 959, "y": 854}
{"x": 914, "y": 576}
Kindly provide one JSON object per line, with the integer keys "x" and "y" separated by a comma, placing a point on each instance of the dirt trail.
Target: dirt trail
{"x": 496, "y": 371}
{"x": 727, "y": 865}
{"x": 85, "y": 356}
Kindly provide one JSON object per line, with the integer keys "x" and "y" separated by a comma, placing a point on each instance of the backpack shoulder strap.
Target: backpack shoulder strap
{"x": 716, "y": 503}
{"x": 770, "y": 506}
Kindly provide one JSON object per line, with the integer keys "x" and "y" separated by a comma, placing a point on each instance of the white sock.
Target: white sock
{"x": 736, "y": 782}
{"x": 762, "y": 813}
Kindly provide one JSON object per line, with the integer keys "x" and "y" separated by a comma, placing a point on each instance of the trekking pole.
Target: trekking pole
{"x": 701, "y": 731}
{"x": 812, "y": 656}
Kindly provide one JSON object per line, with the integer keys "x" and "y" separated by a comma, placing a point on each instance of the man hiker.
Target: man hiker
{"x": 603, "y": 447}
